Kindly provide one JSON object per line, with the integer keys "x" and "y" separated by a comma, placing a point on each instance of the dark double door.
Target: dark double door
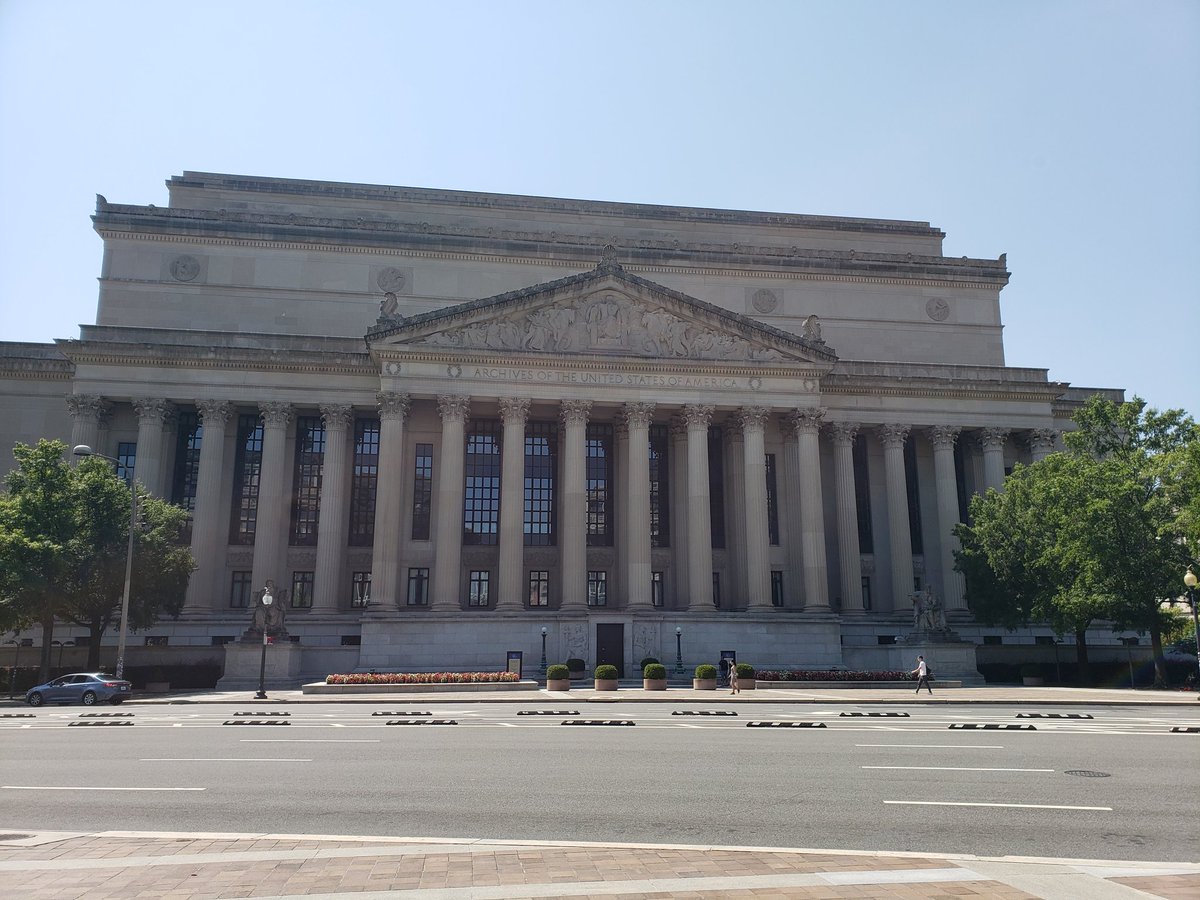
{"x": 610, "y": 647}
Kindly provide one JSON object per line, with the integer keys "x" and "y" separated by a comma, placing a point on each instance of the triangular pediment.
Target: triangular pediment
{"x": 605, "y": 312}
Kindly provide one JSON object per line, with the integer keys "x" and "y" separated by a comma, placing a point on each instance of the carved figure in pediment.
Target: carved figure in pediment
{"x": 812, "y": 329}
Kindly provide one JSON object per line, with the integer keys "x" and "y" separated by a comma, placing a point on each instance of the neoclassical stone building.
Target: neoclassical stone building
{"x": 441, "y": 422}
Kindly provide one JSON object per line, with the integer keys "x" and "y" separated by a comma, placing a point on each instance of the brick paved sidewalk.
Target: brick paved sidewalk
{"x": 116, "y": 864}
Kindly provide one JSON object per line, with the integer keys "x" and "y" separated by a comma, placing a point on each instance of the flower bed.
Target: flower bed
{"x": 424, "y": 678}
{"x": 830, "y": 675}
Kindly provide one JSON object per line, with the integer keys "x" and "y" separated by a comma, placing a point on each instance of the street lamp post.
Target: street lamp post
{"x": 85, "y": 450}
{"x": 1189, "y": 581}
{"x": 678, "y": 650}
{"x": 267, "y": 600}
{"x": 543, "y": 652}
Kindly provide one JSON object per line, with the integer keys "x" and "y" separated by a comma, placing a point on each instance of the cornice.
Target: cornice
{"x": 220, "y": 358}
{"x": 40, "y": 362}
{"x": 921, "y": 380}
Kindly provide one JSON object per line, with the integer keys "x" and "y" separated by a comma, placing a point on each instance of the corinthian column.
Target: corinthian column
{"x": 86, "y": 412}
{"x": 573, "y": 527}
{"x": 807, "y": 423}
{"x": 209, "y": 531}
{"x": 992, "y": 440}
{"x": 389, "y": 492}
{"x": 152, "y": 415}
{"x": 943, "y": 438}
{"x": 271, "y": 528}
{"x": 447, "y": 564}
{"x": 849, "y": 553}
{"x": 757, "y": 563}
{"x": 899, "y": 536}
{"x": 637, "y": 504}
{"x": 514, "y": 413}
{"x": 333, "y": 523}
{"x": 1041, "y": 443}
{"x": 679, "y": 505}
{"x": 699, "y": 528}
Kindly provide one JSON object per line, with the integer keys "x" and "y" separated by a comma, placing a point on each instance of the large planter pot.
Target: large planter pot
{"x": 704, "y": 684}
{"x": 558, "y": 684}
{"x": 745, "y": 684}
{"x": 605, "y": 684}
{"x": 654, "y": 684}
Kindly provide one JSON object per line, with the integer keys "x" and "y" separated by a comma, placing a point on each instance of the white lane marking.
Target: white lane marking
{"x": 310, "y": 741}
{"x": 955, "y": 769}
{"x": 34, "y": 787}
{"x": 1004, "y": 805}
{"x": 272, "y": 759}
{"x": 940, "y": 746}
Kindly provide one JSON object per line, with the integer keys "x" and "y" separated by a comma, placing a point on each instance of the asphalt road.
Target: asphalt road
{"x": 1120, "y": 785}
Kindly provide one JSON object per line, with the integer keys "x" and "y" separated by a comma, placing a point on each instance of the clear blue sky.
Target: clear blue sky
{"x": 1066, "y": 133}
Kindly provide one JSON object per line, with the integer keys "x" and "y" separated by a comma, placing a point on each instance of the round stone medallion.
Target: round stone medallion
{"x": 185, "y": 268}
{"x": 938, "y": 309}
{"x": 764, "y": 301}
{"x": 390, "y": 279}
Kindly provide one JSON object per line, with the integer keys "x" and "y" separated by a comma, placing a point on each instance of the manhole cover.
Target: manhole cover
{"x": 14, "y": 837}
{"x": 1084, "y": 773}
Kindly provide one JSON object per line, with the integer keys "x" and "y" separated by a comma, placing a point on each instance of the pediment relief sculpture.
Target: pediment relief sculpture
{"x": 606, "y": 322}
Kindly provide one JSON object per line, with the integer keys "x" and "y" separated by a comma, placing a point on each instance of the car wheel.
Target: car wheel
{"x": 89, "y": 698}
{"x": 34, "y": 700}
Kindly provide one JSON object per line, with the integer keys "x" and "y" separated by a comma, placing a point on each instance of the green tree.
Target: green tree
{"x": 64, "y": 535}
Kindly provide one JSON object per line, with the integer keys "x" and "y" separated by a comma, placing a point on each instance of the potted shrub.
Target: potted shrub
{"x": 705, "y": 678}
{"x": 645, "y": 662}
{"x": 654, "y": 677}
{"x": 745, "y": 677}
{"x": 576, "y": 667}
{"x": 558, "y": 678}
{"x": 606, "y": 678}
{"x": 1031, "y": 675}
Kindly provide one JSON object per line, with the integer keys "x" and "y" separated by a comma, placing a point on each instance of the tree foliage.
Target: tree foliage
{"x": 64, "y": 535}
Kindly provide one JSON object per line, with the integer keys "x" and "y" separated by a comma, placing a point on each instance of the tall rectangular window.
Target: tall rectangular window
{"x": 247, "y": 469}
{"x": 187, "y": 466}
{"x": 539, "y": 587}
{"x": 307, "y": 472}
{"x": 480, "y": 589}
{"x": 597, "y": 588}
{"x": 481, "y": 496}
{"x": 418, "y": 587}
{"x": 658, "y": 593}
{"x": 660, "y": 488}
{"x": 363, "y": 482}
{"x": 862, "y": 495}
{"x": 914, "y": 498}
{"x": 360, "y": 589}
{"x": 772, "y": 502}
{"x": 239, "y": 590}
{"x": 599, "y": 485}
{"x": 541, "y": 463}
{"x": 302, "y": 590}
{"x": 776, "y": 588}
{"x": 422, "y": 507}
{"x": 716, "y": 487}
{"x": 126, "y": 460}
{"x": 717, "y": 589}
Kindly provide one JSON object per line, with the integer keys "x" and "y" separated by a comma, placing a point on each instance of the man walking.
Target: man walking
{"x": 922, "y": 673}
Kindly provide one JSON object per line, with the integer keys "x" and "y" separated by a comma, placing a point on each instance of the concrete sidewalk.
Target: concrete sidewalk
{"x": 196, "y": 866}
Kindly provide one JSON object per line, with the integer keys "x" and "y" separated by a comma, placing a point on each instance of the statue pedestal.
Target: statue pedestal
{"x": 948, "y": 655}
{"x": 242, "y": 661}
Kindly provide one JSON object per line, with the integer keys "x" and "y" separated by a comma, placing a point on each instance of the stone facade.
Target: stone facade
{"x": 759, "y": 428}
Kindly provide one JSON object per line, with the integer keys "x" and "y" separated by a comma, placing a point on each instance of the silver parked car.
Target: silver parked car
{"x": 89, "y": 688}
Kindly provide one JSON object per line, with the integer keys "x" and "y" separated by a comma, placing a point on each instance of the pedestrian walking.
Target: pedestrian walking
{"x": 733, "y": 678}
{"x": 922, "y": 673}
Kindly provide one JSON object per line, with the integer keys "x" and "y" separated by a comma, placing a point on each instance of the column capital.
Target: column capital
{"x": 943, "y": 436}
{"x": 637, "y": 414}
{"x": 752, "y": 418}
{"x": 843, "y": 433}
{"x": 575, "y": 412}
{"x": 337, "y": 415}
{"x": 698, "y": 416}
{"x": 152, "y": 409}
{"x": 214, "y": 412}
{"x": 392, "y": 405}
{"x": 514, "y": 409}
{"x": 893, "y": 435}
{"x": 87, "y": 406}
{"x": 1042, "y": 440}
{"x": 993, "y": 438}
{"x": 805, "y": 420}
{"x": 275, "y": 413}
{"x": 454, "y": 408}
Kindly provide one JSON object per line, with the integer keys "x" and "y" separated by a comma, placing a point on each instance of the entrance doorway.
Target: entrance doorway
{"x": 610, "y": 647}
